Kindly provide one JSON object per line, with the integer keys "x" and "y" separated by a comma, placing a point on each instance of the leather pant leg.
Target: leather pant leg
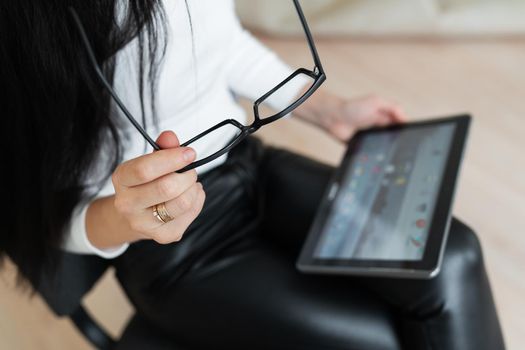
{"x": 455, "y": 310}
{"x": 231, "y": 282}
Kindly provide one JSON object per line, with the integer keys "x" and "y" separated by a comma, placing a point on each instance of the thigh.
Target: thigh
{"x": 249, "y": 294}
{"x": 293, "y": 186}
{"x": 255, "y": 299}
{"x": 455, "y": 310}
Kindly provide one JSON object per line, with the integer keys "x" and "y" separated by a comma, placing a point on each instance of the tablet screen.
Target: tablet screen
{"x": 386, "y": 200}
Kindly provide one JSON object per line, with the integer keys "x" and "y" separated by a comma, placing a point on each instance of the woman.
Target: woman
{"x": 206, "y": 256}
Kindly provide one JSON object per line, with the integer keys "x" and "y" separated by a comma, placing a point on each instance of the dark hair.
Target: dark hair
{"x": 56, "y": 115}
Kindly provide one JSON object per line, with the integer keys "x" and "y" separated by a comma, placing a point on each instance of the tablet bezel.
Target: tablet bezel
{"x": 430, "y": 264}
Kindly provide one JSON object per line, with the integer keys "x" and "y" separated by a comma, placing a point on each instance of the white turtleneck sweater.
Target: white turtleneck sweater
{"x": 206, "y": 66}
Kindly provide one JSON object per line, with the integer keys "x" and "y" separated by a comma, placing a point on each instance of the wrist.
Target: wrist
{"x": 105, "y": 227}
{"x": 321, "y": 109}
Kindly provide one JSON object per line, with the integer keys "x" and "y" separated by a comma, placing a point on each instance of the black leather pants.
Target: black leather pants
{"x": 231, "y": 282}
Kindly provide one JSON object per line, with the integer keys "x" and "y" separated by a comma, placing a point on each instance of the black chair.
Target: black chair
{"x": 64, "y": 293}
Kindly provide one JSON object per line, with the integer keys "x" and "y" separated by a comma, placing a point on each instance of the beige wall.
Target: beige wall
{"x": 388, "y": 17}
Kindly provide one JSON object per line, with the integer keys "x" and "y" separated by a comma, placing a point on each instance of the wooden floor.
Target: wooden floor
{"x": 429, "y": 78}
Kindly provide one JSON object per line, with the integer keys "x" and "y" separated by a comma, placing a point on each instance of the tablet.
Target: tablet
{"x": 387, "y": 209}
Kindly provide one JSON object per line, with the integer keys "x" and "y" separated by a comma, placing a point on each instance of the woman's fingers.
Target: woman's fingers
{"x": 395, "y": 113}
{"x": 185, "y": 202}
{"x": 151, "y": 179}
{"x": 184, "y": 210}
{"x": 151, "y": 166}
{"x": 383, "y": 120}
{"x": 162, "y": 189}
{"x": 168, "y": 139}
{"x": 174, "y": 230}
{"x": 188, "y": 202}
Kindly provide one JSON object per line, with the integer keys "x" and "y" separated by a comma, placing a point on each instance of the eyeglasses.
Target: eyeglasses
{"x": 314, "y": 79}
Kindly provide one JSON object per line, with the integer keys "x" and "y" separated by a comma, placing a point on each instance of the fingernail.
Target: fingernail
{"x": 188, "y": 154}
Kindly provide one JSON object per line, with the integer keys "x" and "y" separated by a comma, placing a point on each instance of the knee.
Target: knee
{"x": 463, "y": 247}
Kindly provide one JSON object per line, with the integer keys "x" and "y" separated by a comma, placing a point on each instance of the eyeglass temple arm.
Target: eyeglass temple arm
{"x": 309, "y": 36}
{"x": 108, "y": 86}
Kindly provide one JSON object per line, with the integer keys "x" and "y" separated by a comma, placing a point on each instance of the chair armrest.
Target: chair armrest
{"x": 93, "y": 332}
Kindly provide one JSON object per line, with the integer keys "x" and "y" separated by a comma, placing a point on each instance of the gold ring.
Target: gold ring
{"x": 161, "y": 213}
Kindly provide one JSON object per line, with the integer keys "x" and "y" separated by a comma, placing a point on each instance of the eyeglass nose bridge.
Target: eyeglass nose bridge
{"x": 256, "y": 125}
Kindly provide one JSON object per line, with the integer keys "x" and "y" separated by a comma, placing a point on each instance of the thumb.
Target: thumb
{"x": 168, "y": 139}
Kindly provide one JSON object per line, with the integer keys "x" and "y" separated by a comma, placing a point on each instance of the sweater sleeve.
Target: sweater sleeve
{"x": 75, "y": 236}
{"x": 254, "y": 69}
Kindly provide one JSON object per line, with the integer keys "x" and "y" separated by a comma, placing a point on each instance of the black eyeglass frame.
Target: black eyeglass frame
{"x": 317, "y": 74}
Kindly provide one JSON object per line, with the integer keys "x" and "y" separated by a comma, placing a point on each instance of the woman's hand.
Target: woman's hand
{"x": 343, "y": 117}
{"x": 148, "y": 180}
{"x": 140, "y": 184}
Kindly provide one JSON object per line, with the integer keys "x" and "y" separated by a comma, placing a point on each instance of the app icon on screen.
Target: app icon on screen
{"x": 400, "y": 181}
{"x": 416, "y": 241}
{"x": 421, "y": 223}
{"x": 422, "y": 207}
